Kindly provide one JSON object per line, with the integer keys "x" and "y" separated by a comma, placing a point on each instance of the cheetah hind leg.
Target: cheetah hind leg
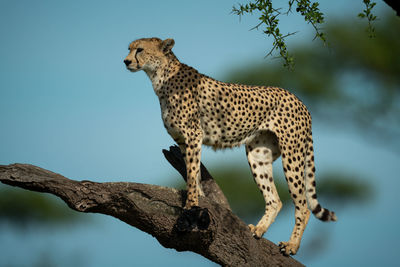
{"x": 261, "y": 152}
{"x": 294, "y": 173}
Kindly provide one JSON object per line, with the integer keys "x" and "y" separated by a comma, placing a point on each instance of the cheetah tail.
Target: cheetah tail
{"x": 311, "y": 195}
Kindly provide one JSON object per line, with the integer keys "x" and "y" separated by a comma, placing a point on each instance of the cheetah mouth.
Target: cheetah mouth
{"x": 133, "y": 69}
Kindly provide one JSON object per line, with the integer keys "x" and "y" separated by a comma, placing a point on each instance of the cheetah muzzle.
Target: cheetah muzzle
{"x": 271, "y": 122}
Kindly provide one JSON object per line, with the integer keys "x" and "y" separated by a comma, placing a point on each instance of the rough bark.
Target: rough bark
{"x": 155, "y": 210}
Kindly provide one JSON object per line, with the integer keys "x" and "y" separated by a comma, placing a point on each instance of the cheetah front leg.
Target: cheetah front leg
{"x": 191, "y": 151}
{"x": 193, "y": 216}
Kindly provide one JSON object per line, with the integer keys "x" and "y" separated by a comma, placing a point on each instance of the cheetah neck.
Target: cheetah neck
{"x": 160, "y": 75}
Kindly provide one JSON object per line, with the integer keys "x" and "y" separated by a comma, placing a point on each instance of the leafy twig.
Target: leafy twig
{"x": 269, "y": 18}
{"x": 312, "y": 14}
{"x": 369, "y": 16}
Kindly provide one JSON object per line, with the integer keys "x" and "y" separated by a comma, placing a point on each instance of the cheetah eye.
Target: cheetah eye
{"x": 138, "y": 50}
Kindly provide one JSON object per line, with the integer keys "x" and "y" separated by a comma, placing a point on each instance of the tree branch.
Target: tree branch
{"x": 155, "y": 210}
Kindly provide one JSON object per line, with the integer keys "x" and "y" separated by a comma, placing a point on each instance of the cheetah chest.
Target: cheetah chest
{"x": 179, "y": 113}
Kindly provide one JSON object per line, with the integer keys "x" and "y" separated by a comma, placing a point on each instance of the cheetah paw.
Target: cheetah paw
{"x": 288, "y": 248}
{"x": 256, "y": 231}
{"x": 193, "y": 218}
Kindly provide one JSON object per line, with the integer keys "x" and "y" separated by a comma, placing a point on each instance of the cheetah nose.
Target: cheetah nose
{"x": 127, "y": 62}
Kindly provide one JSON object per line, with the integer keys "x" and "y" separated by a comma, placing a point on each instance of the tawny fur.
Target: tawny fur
{"x": 269, "y": 121}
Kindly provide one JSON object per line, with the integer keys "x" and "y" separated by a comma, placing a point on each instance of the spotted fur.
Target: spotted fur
{"x": 269, "y": 121}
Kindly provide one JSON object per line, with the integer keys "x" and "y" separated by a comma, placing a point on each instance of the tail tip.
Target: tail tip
{"x": 333, "y": 216}
{"x": 328, "y": 216}
{"x": 324, "y": 214}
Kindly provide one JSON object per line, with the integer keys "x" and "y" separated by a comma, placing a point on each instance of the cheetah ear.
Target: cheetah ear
{"x": 167, "y": 45}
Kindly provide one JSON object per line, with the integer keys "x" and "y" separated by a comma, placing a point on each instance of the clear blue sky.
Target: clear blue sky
{"x": 67, "y": 104}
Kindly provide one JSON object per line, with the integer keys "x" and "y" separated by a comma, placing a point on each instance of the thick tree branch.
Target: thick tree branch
{"x": 155, "y": 210}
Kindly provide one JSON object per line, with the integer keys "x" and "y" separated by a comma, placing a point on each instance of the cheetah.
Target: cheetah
{"x": 270, "y": 121}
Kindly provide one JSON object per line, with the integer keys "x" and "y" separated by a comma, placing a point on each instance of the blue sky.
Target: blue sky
{"x": 68, "y": 104}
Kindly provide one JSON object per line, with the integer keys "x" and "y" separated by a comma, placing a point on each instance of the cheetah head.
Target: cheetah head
{"x": 148, "y": 54}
